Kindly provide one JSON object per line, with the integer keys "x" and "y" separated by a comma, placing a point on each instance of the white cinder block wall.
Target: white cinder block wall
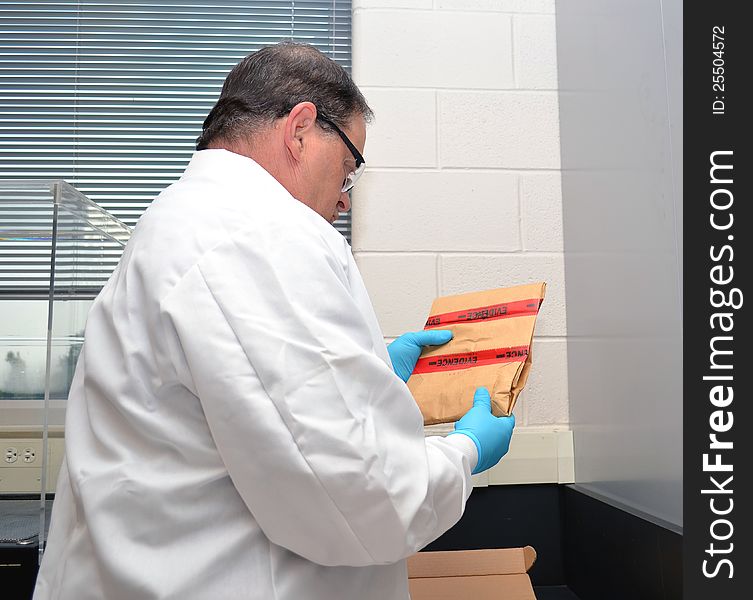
{"x": 462, "y": 187}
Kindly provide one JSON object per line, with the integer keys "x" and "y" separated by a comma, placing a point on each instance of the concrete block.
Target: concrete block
{"x": 432, "y": 49}
{"x": 467, "y": 273}
{"x": 436, "y": 210}
{"x": 512, "y": 6}
{"x": 535, "y": 51}
{"x": 366, "y": 4}
{"x": 401, "y": 287}
{"x": 404, "y": 130}
{"x": 545, "y": 394}
{"x": 541, "y": 211}
{"x": 503, "y": 130}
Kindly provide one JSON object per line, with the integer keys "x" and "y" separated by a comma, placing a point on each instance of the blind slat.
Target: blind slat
{"x": 110, "y": 96}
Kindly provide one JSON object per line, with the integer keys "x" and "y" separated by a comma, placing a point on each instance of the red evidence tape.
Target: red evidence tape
{"x": 519, "y": 308}
{"x": 466, "y": 360}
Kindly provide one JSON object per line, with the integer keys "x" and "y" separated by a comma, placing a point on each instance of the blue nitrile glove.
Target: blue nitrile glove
{"x": 406, "y": 349}
{"x": 490, "y": 434}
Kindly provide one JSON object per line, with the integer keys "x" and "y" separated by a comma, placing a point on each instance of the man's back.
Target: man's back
{"x": 191, "y": 470}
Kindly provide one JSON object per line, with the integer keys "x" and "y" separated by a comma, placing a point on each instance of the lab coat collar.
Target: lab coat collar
{"x": 223, "y": 165}
{"x": 244, "y": 173}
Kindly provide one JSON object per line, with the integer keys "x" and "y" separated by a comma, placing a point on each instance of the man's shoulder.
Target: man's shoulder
{"x": 193, "y": 220}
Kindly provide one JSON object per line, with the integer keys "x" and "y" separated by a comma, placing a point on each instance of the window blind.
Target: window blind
{"x": 110, "y": 96}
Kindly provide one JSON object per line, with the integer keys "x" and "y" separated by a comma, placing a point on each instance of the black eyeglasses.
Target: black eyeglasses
{"x": 353, "y": 176}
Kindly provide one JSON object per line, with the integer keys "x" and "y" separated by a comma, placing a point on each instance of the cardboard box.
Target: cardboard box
{"x": 500, "y": 574}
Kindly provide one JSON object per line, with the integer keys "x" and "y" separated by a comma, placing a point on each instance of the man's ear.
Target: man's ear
{"x": 299, "y": 124}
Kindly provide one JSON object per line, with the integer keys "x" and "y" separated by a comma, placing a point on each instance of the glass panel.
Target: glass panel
{"x": 57, "y": 250}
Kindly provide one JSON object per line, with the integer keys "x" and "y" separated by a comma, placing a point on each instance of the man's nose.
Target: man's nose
{"x": 344, "y": 204}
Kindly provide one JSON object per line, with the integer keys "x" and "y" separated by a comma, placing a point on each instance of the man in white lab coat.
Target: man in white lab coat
{"x": 236, "y": 427}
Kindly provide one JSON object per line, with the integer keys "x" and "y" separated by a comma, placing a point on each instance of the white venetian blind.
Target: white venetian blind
{"x": 110, "y": 96}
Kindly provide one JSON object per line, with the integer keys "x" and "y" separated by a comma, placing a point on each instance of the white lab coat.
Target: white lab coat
{"x": 234, "y": 428}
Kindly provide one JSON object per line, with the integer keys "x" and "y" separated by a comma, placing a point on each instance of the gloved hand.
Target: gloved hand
{"x": 490, "y": 434}
{"x": 406, "y": 349}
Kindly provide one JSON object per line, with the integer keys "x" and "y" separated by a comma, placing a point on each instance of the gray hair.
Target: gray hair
{"x": 267, "y": 84}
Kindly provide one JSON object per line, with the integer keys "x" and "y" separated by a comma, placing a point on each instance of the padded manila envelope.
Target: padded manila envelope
{"x": 491, "y": 347}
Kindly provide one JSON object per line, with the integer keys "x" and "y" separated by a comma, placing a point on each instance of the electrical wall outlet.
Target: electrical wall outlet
{"x": 29, "y": 455}
{"x": 11, "y": 454}
{"x": 21, "y": 465}
{"x": 21, "y": 453}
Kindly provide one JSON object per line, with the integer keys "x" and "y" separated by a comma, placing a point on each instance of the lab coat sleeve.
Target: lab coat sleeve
{"x": 322, "y": 440}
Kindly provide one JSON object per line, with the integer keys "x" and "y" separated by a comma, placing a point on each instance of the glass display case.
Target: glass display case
{"x": 57, "y": 250}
